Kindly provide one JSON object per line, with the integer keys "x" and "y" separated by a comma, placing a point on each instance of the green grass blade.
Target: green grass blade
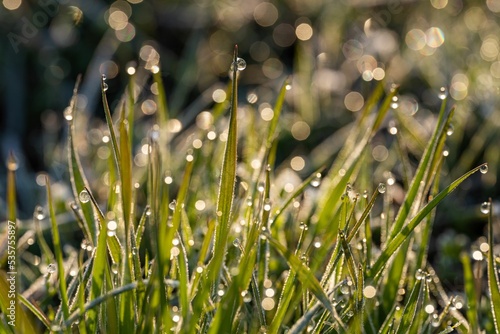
{"x": 493, "y": 282}
{"x": 78, "y": 179}
{"x": 227, "y": 181}
{"x": 470, "y": 292}
{"x": 57, "y": 251}
{"x": 35, "y": 310}
{"x": 111, "y": 128}
{"x": 405, "y": 232}
{"x": 422, "y": 170}
{"x": 411, "y": 308}
{"x": 278, "y": 106}
{"x": 11, "y": 187}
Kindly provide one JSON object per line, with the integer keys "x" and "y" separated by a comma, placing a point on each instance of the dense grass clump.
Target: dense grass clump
{"x": 199, "y": 228}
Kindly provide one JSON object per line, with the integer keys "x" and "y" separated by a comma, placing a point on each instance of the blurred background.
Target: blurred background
{"x": 335, "y": 52}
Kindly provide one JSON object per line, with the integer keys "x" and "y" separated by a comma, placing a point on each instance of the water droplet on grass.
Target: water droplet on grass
{"x": 84, "y": 196}
{"x": 450, "y": 129}
{"x": 484, "y": 169}
{"x": 104, "y": 86}
{"x": 240, "y": 64}
{"x": 443, "y": 93}
{"x": 39, "y": 213}
{"x": 420, "y": 274}
{"x": 485, "y": 208}
{"x": 381, "y": 188}
{"x": 172, "y": 205}
{"x": 316, "y": 181}
{"x": 114, "y": 268}
{"x": 112, "y": 226}
{"x": 68, "y": 114}
{"x": 344, "y": 289}
{"x": 51, "y": 268}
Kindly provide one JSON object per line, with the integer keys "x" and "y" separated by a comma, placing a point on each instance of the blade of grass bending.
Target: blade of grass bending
{"x": 304, "y": 274}
{"x": 422, "y": 170}
{"x": 470, "y": 293}
{"x": 22, "y": 323}
{"x": 405, "y": 232}
{"x": 35, "y": 310}
{"x": 227, "y": 181}
{"x": 57, "y": 251}
{"x": 493, "y": 282}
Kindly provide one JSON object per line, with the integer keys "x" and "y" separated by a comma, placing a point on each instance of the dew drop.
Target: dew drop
{"x": 104, "y": 86}
{"x": 365, "y": 194}
{"x": 12, "y": 164}
{"x": 84, "y": 196}
{"x": 443, "y": 93}
{"x": 419, "y": 275}
{"x": 112, "y": 225}
{"x": 344, "y": 289}
{"x": 68, "y": 114}
{"x": 483, "y": 169}
{"x": 485, "y": 208}
{"x": 288, "y": 87}
{"x": 395, "y": 102}
{"x": 103, "y": 76}
{"x": 148, "y": 211}
{"x": 240, "y": 64}
{"x": 114, "y": 268}
{"x": 39, "y": 213}
{"x": 51, "y": 268}
{"x": 267, "y": 204}
{"x": 172, "y": 205}
{"x": 249, "y": 201}
{"x": 260, "y": 187}
{"x": 237, "y": 243}
{"x": 450, "y": 129}
{"x": 73, "y": 205}
{"x": 303, "y": 226}
{"x": 381, "y": 188}
{"x": 316, "y": 181}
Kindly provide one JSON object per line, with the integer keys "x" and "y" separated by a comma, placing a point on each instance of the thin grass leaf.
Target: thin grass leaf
{"x": 405, "y": 232}
{"x": 411, "y": 307}
{"x": 35, "y": 309}
{"x": 227, "y": 182}
{"x": 470, "y": 292}
{"x": 78, "y": 179}
{"x": 57, "y": 251}
{"x": 493, "y": 282}
{"x": 12, "y": 166}
{"x": 416, "y": 190}
{"x": 278, "y": 106}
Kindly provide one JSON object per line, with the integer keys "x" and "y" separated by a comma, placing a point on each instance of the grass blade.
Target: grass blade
{"x": 470, "y": 292}
{"x": 405, "y": 232}
{"x": 57, "y": 252}
{"x": 77, "y": 176}
{"x": 411, "y": 309}
{"x": 493, "y": 282}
